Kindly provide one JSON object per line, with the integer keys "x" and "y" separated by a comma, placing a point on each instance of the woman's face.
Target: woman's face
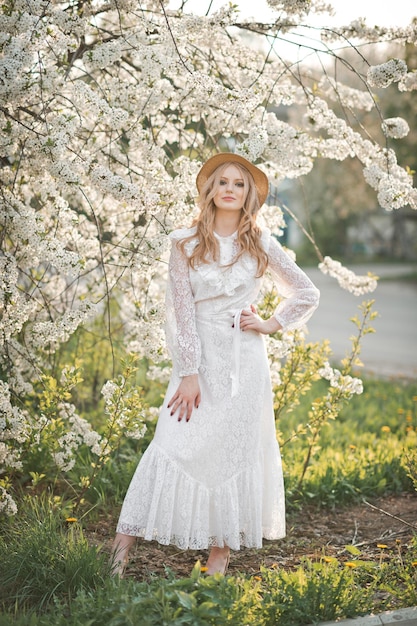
{"x": 230, "y": 194}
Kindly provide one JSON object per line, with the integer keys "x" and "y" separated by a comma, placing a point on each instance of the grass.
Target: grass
{"x": 49, "y": 574}
{"x": 362, "y": 453}
{"x": 45, "y": 557}
{"x": 315, "y": 591}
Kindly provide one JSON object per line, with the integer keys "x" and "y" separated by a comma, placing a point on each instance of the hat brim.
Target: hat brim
{"x": 261, "y": 180}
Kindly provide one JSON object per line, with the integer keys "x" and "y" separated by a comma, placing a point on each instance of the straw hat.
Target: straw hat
{"x": 261, "y": 180}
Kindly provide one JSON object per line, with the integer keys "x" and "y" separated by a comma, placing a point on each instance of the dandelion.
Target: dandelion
{"x": 71, "y": 520}
{"x": 385, "y": 429}
{"x": 257, "y": 577}
{"x": 351, "y": 564}
{"x": 414, "y": 398}
{"x": 414, "y": 563}
{"x": 352, "y": 446}
{"x": 382, "y": 547}
{"x": 400, "y": 411}
{"x": 203, "y": 569}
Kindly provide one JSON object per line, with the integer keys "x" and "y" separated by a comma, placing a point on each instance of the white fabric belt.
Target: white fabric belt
{"x": 235, "y": 369}
{"x": 236, "y": 339}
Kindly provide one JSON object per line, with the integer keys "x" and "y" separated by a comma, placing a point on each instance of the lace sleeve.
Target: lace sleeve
{"x": 301, "y": 297}
{"x": 182, "y": 336}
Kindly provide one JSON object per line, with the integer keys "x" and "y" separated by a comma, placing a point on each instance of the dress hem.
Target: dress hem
{"x": 140, "y": 533}
{"x": 165, "y": 504}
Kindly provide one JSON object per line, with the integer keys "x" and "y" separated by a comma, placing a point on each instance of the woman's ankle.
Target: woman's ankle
{"x": 120, "y": 554}
{"x": 218, "y": 560}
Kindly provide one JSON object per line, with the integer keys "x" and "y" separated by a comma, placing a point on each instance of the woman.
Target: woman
{"x": 212, "y": 477}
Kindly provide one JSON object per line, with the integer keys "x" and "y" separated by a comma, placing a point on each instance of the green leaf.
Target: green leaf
{"x": 352, "y": 550}
{"x": 186, "y": 600}
{"x": 196, "y": 572}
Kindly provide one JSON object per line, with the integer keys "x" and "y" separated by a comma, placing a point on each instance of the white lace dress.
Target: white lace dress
{"x": 217, "y": 479}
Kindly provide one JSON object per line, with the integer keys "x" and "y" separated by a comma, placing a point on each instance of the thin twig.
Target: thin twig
{"x": 375, "y": 540}
{"x": 376, "y": 508}
{"x": 304, "y": 230}
{"x": 173, "y": 39}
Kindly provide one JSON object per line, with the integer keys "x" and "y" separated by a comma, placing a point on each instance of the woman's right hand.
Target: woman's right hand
{"x": 186, "y": 398}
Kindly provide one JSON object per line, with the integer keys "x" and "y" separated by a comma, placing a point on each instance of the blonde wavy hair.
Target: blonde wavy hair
{"x": 248, "y": 232}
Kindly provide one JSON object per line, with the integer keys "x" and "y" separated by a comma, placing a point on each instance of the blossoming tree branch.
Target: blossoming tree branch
{"x": 107, "y": 110}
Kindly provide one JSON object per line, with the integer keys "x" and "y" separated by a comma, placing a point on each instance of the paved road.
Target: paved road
{"x": 392, "y": 350}
{"x": 403, "y": 617}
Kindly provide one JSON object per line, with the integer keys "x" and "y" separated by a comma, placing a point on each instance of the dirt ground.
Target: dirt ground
{"x": 311, "y": 533}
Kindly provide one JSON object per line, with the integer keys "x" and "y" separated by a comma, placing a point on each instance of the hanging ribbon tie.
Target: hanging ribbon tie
{"x": 235, "y": 369}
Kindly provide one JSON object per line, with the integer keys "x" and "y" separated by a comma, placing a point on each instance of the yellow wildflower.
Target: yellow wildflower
{"x": 351, "y": 564}
{"x": 382, "y": 546}
{"x": 71, "y": 520}
{"x": 385, "y": 429}
{"x": 203, "y": 569}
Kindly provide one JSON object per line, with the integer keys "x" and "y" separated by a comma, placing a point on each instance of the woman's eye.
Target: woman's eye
{"x": 238, "y": 184}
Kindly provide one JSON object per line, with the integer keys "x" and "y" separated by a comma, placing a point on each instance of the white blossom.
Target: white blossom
{"x": 79, "y": 433}
{"x": 386, "y": 73}
{"x": 408, "y": 82}
{"x": 394, "y": 185}
{"x": 104, "y": 55}
{"x": 14, "y": 423}
{"x": 346, "y": 383}
{"x": 395, "y": 127}
{"x": 253, "y": 147}
{"x": 353, "y": 98}
{"x": 161, "y": 374}
{"x": 291, "y": 6}
{"x": 108, "y": 390}
{"x": 7, "y": 504}
{"x": 272, "y": 216}
{"x": 358, "y": 285}
{"x": 136, "y": 433}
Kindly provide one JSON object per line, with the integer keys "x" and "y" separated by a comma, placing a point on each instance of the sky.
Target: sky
{"x": 376, "y": 12}
{"x": 379, "y": 12}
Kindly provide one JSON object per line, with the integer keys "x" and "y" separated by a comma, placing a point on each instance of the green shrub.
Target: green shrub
{"x": 315, "y": 591}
